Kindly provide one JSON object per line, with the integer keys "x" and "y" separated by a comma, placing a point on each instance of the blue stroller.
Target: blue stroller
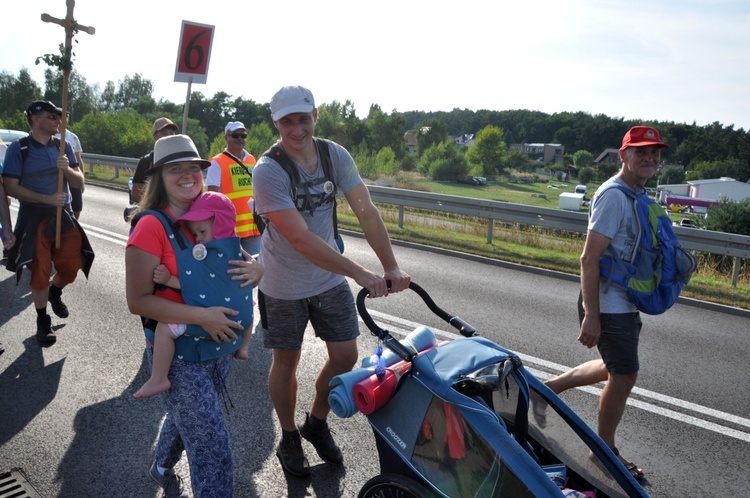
{"x": 465, "y": 419}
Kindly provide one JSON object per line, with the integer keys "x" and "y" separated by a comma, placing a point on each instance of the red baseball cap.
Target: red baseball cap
{"x": 640, "y": 136}
{"x": 217, "y": 205}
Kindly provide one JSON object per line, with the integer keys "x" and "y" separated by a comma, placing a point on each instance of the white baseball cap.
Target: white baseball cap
{"x": 291, "y": 99}
{"x": 233, "y": 126}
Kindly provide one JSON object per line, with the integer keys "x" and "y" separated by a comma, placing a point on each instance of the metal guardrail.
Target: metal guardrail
{"x": 725, "y": 244}
{"x": 116, "y": 162}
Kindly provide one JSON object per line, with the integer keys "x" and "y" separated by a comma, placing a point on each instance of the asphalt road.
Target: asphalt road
{"x": 69, "y": 421}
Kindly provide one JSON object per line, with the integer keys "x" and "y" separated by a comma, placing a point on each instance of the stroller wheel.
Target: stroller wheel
{"x": 393, "y": 486}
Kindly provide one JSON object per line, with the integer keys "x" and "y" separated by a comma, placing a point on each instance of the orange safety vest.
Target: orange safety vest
{"x": 237, "y": 185}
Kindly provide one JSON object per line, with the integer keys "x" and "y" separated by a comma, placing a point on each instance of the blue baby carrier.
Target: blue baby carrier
{"x": 204, "y": 282}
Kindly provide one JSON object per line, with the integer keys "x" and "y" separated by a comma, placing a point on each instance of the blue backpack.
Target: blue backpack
{"x": 659, "y": 267}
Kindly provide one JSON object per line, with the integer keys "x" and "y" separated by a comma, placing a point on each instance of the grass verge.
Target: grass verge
{"x": 527, "y": 245}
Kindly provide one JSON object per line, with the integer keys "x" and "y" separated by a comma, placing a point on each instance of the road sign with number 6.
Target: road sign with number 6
{"x": 194, "y": 53}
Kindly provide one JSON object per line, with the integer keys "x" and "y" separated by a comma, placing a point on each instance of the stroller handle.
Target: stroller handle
{"x": 464, "y": 328}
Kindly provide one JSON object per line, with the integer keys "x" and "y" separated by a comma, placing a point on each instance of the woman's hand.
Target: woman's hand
{"x": 250, "y": 270}
{"x": 215, "y": 321}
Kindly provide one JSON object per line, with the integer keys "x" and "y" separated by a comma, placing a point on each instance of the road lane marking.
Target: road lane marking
{"x": 531, "y": 360}
{"x": 703, "y": 411}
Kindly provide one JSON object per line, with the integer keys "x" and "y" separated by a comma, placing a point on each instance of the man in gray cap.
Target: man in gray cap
{"x": 162, "y": 127}
{"x": 305, "y": 279}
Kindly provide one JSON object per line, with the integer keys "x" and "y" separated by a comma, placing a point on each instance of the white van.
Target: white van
{"x": 580, "y": 189}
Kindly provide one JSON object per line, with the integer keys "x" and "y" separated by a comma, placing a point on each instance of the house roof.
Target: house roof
{"x": 606, "y": 153}
{"x": 723, "y": 179}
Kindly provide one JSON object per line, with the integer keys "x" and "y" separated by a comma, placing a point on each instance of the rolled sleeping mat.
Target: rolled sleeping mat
{"x": 341, "y": 399}
{"x": 373, "y": 393}
{"x": 417, "y": 340}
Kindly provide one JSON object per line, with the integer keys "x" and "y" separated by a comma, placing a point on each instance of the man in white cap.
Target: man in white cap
{"x": 162, "y": 127}
{"x": 231, "y": 173}
{"x": 305, "y": 279}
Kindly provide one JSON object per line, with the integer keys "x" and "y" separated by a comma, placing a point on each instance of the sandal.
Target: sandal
{"x": 634, "y": 470}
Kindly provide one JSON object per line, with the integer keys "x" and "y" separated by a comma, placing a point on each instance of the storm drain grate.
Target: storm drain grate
{"x": 13, "y": 484}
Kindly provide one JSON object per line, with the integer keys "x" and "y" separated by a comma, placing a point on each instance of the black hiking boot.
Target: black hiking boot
{"x": 291, "y": 456}
{"x": 44, "y": 332}
{"x": 322, "y": 440}
{"x": 55, "y": 299}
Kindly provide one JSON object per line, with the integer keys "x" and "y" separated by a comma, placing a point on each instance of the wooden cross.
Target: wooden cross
{"x": 71, "y": 27}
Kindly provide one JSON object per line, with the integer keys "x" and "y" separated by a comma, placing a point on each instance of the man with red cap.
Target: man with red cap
{"x": 609, "y": 320}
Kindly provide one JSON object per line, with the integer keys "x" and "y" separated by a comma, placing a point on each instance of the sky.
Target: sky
{"x": 686, "y": 61}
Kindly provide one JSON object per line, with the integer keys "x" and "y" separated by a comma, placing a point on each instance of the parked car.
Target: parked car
{"x": 9, "y": 136}
{"x": 6, "y": 137}
{"x": 473, "y": 180}
{"x": 687, "y": 222}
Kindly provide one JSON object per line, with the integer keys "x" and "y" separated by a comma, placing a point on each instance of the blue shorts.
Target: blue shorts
{"x": 331, "y": 313}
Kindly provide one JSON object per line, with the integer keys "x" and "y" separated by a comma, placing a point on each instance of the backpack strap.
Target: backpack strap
{"x": 24, "y": 143}
{"x": 235, "y": 159}
{"x": 616, "y": 263}
{"x": 278, "y": 154}
{"x": 171, "y": 228}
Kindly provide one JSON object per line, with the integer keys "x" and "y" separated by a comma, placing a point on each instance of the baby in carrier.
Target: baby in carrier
{"x": 211, "y": 219}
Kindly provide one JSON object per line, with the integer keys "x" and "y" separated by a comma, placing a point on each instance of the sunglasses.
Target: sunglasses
{"x": 239, "y": 135}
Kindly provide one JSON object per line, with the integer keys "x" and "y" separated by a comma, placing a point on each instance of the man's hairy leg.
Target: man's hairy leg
{"x": 282, "y": 385}
{"x": 341, "y": 358}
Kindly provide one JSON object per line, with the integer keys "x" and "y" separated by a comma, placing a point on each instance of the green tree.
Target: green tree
{"x": 383, "y": 131}
{"x": 106, "y": 100}
{"x": 432, "y": 132}
{"x": 731, "y": 168}
{"x": 16, "y": 93}
{"x": 586, "y": 175}
{"x": 672, "y": 175}
{"x": 443, "y": 161}
{"x": 488, "y": 152}
{"x": 729, "y": 216}
{"x": 339, "y": 122}
{"x": 120, "y": 133}
{"x": 80, "y": 95}
{"x": 251, "y": 113}
{"x": 583, "y": 158}
{"x": 516, "y": 159}
{"x": 386, "y": 163}
{"x": 260, "y": 138}
{"x": 605, "y": 171}
{"x": 131, "y": 89}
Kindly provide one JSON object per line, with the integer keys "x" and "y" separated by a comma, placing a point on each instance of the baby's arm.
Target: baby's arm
{"x": 163, "y": 277}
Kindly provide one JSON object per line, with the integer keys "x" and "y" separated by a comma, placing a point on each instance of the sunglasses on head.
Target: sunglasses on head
{"x": 239, "y": 135}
